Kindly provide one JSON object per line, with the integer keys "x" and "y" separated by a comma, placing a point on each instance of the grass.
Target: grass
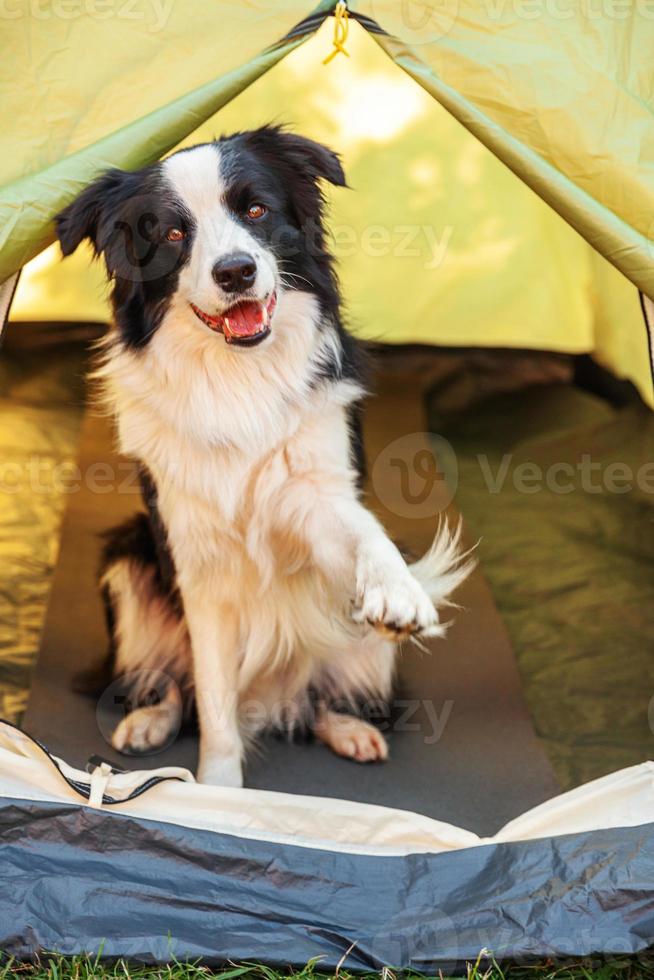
{"x": 55, "y": 967}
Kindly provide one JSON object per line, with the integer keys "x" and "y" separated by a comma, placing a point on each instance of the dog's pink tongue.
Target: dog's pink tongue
{"x": 245, "y": 319}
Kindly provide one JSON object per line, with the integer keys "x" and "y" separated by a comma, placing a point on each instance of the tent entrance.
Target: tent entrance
{"x": 439, "y": 243}
{"x": 458, "y": 727}
{"x": 579, "y": 622}
{"x": 485, "y": 767}
{"x": 431, "y": 211}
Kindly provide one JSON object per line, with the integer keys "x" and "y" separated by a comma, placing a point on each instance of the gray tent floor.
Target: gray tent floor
{"x": 571, "y": 573}
{"x": 462, "y": 746}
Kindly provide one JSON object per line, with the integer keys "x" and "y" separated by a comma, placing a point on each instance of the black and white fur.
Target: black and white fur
{"x": 256, "y": 577}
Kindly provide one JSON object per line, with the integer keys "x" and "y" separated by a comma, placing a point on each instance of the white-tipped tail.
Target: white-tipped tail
{"x": 444, "y": 567}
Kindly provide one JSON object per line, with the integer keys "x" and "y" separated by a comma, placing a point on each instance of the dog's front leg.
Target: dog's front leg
{"x": 214, "y": 644}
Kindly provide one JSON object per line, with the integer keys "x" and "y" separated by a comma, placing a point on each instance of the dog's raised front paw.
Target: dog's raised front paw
{"x": 394, "y": 603}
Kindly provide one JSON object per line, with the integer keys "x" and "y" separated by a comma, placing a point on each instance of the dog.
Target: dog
{"x": 255, "y": 576}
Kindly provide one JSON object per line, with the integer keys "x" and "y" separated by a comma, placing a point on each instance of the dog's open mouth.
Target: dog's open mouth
{"x": 246, "y": 323}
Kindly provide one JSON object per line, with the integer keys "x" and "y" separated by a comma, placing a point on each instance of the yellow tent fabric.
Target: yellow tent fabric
{"x": 561, "y": 90}
{"x": 90, "y": 86}
{"x": 437, "y": 241}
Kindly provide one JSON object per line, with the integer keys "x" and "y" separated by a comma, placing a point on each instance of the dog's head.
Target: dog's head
{"x": 218, "y": 231}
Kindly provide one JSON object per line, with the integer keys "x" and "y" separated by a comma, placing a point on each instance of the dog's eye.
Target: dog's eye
{"x": 256, "y": 211}
{"x": 175, "y": 235}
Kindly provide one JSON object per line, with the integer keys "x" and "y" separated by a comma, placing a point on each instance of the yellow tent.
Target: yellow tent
{"x": 437, "y": 241}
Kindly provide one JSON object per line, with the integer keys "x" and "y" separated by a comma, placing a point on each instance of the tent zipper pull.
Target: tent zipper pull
{"x": 99, "y": 780}
{"x": 97, "y": 760}
{"x": 341, "y": 29}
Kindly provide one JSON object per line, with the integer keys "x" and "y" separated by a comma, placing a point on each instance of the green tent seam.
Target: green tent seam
{"x": 628, "y": 250}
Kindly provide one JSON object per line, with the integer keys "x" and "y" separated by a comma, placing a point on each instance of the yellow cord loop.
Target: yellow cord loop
{"x": 341, "y": 28}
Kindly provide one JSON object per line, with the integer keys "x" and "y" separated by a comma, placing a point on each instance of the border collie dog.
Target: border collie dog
{"x": 255, "y": 581}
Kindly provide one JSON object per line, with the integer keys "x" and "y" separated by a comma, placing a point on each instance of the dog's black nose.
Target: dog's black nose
{"x": 235, "y": 273}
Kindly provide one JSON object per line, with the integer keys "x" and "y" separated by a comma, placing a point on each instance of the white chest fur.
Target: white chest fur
{"x": 237, "y": 442}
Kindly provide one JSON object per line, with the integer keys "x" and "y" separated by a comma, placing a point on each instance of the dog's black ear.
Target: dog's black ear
{"x": 314, "y": 159}
{"x": 82, "y": 218}
{"x": 306, "y": 158}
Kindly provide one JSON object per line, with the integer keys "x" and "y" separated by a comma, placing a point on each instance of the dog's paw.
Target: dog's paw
{"x": 146, "y": 729}
{"x": 394, "y": 603}
{"x": 221, "y": 770}
{"x": 352, "y": 738}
